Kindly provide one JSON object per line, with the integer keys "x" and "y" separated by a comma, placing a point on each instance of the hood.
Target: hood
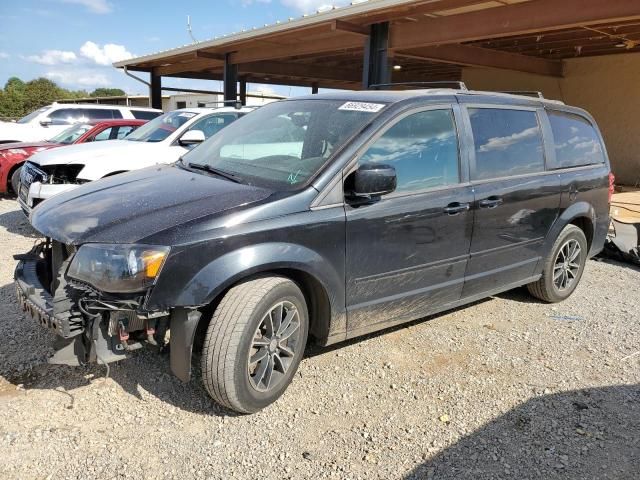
{"x": 85, "y": 153}
{"x": 27, "y": 145}
{"x": 24, "y": 132}
{"x": 130, "y": 207}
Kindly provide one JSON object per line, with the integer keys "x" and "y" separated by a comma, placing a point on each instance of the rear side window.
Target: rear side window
{"x": 101, "y": 114}
{"x": 145, "y": 115}
{"x": 423, "y": 148}
{"x": 576, "y": 141}
{"x": 507, "y": 142}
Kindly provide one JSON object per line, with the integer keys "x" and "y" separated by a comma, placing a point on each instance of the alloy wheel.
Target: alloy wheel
{"x": 567, "y": 265}
{"x": 274, "y": 346}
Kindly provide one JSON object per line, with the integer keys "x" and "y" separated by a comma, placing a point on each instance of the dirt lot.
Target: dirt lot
{"x": 506, "y": 388}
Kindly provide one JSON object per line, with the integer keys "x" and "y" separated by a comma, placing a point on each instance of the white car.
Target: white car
{"x": 49, "y": 121}
{"x": 161, "y": 141}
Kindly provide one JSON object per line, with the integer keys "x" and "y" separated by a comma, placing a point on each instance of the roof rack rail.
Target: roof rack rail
{"x": 441, "y": 84}
{"x": 525, "y": 93}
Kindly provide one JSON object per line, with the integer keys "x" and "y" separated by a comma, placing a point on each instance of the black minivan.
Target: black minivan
{"x": 324, "y": 217}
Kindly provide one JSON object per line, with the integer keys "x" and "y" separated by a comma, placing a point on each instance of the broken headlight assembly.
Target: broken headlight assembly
{"x": 118, "y": 268}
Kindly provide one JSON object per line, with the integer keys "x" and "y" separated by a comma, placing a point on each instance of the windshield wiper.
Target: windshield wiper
{"x": 216, "y": 171}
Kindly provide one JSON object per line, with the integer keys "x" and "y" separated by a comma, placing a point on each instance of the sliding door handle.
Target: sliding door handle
{"x": 456, "y": 208}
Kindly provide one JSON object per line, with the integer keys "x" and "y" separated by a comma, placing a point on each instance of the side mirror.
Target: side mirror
{"x": 371, "y": 180}
{"x": 192, "y": 137}
{"x": 45, "y": 122}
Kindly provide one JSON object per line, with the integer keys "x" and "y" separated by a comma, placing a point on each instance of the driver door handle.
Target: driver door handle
{"x": 491, "y": 202}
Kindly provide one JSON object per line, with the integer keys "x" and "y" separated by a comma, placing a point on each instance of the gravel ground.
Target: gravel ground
{"x": 505, "y": 388}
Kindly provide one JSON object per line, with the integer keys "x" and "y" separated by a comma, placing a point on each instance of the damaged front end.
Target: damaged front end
{"x": 92, "y": 326}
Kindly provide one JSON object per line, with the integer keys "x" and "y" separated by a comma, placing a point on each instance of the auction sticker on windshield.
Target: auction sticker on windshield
{"x": 362, "y": 107}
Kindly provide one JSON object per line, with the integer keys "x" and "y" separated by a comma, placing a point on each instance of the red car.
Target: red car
{"x": 13, "y": 155}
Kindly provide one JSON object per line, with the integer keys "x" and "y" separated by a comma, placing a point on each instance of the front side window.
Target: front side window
{"x": 576, "y": 141}
{"x": 161, "y": 127}
{"x": 423, "y": 148}
{"x": 103, "y": 135}
{"x": 507, "y": 142}
{"x": 283, "y": 144}
{"x": 124, "y": 130}
{"x": 213, "y": 123}
{"x": 66, "y": 116}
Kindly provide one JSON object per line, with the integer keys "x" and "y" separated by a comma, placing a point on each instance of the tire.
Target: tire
{"x": 15, "y": 180}
{"x": 559, "y": 278}
{"x": 238, "y": 333}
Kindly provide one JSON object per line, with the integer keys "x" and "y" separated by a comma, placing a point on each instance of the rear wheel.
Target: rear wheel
{"x": 563, "y": 268}
{"x": 254, "y": 343}
{"x": 15, "y": 180}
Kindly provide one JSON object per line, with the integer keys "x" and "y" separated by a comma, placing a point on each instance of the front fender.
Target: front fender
{"x": 228, "y": 269}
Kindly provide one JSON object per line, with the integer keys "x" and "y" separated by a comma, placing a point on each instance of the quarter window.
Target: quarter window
{"x": 145, "y": 114}
{"x": 423, "y": 148}
{"x": 507, "y": 142}
{"x": 576, "y": 141}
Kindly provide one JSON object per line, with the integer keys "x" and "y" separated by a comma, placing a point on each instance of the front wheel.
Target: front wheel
{"x": 15, "y": 180}
{"x": 254, "y": 343}
{"x": 563, "y": 268}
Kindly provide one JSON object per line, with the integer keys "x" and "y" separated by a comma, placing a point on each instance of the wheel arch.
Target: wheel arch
{"x": 580, "y": 214}
{"x": 321, "y": 285}
{"x": 10, "y": 173}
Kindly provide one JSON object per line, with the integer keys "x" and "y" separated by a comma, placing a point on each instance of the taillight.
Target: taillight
{"x": 612, "y": 186}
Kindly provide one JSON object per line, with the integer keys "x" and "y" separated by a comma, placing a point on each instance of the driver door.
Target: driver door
{"x": 407, "y": 251}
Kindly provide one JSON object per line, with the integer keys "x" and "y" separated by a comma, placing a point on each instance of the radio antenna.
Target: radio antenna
{"x": 189, "y": 31}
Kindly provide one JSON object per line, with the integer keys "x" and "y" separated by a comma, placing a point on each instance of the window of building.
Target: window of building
{"x": 507, "y": 142}
{"x": 181, "y": 104}
{"x": 423, "y": 148}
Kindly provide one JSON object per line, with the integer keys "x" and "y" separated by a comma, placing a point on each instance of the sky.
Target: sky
{"x": 74, "y": 42}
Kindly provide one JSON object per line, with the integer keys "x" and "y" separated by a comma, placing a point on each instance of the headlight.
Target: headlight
{"x": 118, "y": 268}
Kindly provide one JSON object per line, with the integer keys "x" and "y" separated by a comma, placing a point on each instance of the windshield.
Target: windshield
{"x": 283, "y": 144}
{"x": 71, "y": 134}
{"x": 161, "y": 127}
{"x": 32, "y": 115}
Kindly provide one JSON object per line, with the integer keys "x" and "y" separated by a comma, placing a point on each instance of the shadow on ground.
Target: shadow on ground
{"x": 590, "y": 434}
{"x": 16, "y": 222}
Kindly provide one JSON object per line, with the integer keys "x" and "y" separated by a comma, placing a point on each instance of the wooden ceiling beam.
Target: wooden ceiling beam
{"x": 485, "y": 57}
{"x": 529, "y": 17}
{"x": 272, "y": 52}
{"x": 187, "y": 67}
{"x": 299, "y": 70}
{"x": 341, "y": 26}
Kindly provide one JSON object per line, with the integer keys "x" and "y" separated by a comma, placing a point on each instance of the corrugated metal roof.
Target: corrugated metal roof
{"x": 322, "y": 16}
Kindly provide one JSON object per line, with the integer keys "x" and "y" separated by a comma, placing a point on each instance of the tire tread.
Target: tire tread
{"x": 228, "y": 323}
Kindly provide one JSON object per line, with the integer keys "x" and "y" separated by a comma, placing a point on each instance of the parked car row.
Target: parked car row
{"x": 13, "y": 155}
{"x": 161, "y": 141}
{"x": 324, "y": 217}
{"x": 51, "y": 120}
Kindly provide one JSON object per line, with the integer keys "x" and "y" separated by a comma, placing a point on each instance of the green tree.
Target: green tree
{"x": 41, "y": 92}
{"x": 108, "y": 92}
{"x": 12, "y": 99}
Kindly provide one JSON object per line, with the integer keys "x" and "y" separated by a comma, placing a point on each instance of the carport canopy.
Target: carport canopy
{"x": 379, "y": 41}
